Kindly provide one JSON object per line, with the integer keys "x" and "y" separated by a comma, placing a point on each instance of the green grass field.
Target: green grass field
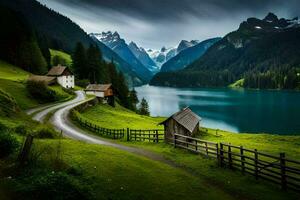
{"x": 238, "y": 184}
{"x": 119, "y": 117}
{"x": 63, "y": 55}
{"x": 13, "y": 73}
{"x": 113, "y": 174}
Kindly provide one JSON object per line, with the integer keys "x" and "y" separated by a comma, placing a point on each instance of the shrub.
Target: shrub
{"x": 8, "y": 105}
{"x": 40, "y": 91}
{"x": 54, "y": 185}
{"x": 8, "y": 144}
{"x": 21, "y": 129}
{"x": 45, "y": 132}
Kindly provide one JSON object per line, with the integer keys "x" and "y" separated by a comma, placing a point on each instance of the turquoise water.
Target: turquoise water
{"x": 237, "y": 110}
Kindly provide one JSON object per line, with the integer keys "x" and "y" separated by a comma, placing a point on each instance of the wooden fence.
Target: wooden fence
{"x": 155, "y": 135}
{"x": 112, "y": 133}
{"x": 277, "y": 169}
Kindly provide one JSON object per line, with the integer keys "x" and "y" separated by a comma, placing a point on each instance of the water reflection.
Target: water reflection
{"x": 230, "y": 109}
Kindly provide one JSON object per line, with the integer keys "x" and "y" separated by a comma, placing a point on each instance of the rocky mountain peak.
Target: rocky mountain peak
{"x": 271, "y": 17}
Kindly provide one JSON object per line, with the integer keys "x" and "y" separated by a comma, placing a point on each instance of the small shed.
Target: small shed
{"x": 103, "y": 92}
{"x": 185, "y": 122}
{"x": 63, "y": 75}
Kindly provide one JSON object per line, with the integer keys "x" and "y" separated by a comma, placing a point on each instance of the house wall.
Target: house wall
{"x": 66, "y": 81}
{"x": 97, "y": 94}
{"x": 171, "y": 127}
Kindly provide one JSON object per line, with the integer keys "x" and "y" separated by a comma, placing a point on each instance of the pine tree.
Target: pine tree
{"x": 133, "y": 99}
{"x": 80, "y": 62}
{"x": 144, "y": 108}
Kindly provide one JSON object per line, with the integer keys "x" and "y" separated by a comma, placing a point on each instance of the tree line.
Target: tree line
{"x": 88, "y": 64}
{"x": 282, "y": 78}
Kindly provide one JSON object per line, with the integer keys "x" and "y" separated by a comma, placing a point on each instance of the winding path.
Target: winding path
{"x": 61, "y": 122}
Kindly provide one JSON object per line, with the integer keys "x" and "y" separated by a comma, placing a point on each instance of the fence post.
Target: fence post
{"x": 206, "y": 148}
{"x": 229, "y": 156}
{"x": 242, "y": 159}
{"x": 221, "y": 155}
{"x": 114, "y": 134}
{"x": 23, "y": 157}
{"x": 217, "y": 151}
{"x": 175, "y": 137}
{"x": 128, "y": 135}
{"x": 283, "y": 172}
{"x": 156, "y": 132}
{"x": 256, "y": 163}
{"x": 196, "y": 145}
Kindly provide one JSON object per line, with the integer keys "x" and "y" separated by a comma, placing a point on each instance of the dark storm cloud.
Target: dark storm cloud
{"x": 158, "y": 22}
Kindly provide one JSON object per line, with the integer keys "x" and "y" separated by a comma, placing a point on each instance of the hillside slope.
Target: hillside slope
{"x": 59, "y": 32}
{"x": 188, "y": 55}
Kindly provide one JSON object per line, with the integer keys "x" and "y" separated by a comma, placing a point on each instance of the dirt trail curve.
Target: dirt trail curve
{"x": 61, "y": 122}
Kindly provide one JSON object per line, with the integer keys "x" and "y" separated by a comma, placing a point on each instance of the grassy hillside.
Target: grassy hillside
{"x": 61, "y": 54}
{"x": 113, "y": 174}
{"x": 242, "y": 187}
{"x": 119, "y": 117}
{"x": 104, "y": 115}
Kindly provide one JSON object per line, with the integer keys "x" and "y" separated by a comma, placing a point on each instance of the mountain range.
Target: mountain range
{"x": 119, "y": 46}
{"x": 163, "y": 55}
{"x": 187, "y": 54}
{"x": 259, "y": 46}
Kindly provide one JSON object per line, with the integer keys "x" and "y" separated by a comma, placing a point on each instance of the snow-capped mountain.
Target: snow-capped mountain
{"x": 141, "y": 54}
{"x": 118, "y": 45}
{"x": 162, "y": 56}
{"x": 184, "y": 44}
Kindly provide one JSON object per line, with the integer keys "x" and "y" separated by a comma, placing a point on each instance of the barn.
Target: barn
{"x": 103, "y": 92}
{"x": 185, "y": 122}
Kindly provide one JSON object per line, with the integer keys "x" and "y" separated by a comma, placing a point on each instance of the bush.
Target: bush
{"x": 8, "y": 144}
{"x": 54, "y": 185}
{"x": 8, "y": 105}
{"x": 45, "y": 132}
{"x": 40, "y": 91}
{"x": 21, "y": 129}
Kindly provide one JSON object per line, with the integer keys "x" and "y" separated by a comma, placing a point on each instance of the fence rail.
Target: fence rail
{"x": 112, "y": 133}
{"x": 155, "y": 135}
{"x": 276, "y": 169}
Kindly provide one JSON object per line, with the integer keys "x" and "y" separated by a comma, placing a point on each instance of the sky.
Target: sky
{"x": 157, "y": 23}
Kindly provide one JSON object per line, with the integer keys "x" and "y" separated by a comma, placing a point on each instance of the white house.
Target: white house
{"x": 63, "y": 75}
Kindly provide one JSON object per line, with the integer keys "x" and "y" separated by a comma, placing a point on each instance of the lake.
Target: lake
{"x": 236, "y": 110}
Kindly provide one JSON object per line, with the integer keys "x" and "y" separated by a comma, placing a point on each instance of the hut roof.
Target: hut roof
{"x": 46, "y": 79}
{"x": 185, "y": 117}
{"x": 57, "y": 70}
{"x": 98, "y": 87}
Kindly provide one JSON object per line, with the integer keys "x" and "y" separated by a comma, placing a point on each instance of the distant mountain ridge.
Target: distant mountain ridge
{"x": 161, "y": 56}
{"x": 119, "y": 46}
{"x": 188, "y": 54}
{"x": 143, "y": 56}
{"x": 260, "y": 47}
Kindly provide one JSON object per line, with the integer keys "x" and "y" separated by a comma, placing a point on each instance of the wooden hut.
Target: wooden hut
{"x": 184, "y": 122}
{"x": 103, "y": 92}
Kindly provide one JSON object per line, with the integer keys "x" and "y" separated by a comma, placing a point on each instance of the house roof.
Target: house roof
{"x": 57, "y": 70}
{"x": 46, "y": 79}
{"x": 98, "y": 87}
{"x": 185, "y": 117}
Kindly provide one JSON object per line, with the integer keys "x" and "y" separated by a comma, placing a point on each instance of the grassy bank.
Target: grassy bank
{"x": 119, "y": 117}
{"x": 243, "y": 187}
{"x": 66, "y": 57}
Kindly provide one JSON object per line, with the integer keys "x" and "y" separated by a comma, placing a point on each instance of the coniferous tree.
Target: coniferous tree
{"x": 94, "y": 61}
{"x": 144, "y": 108}
{"x": 133, "y": 99}
{"x": 80, "y": 62}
